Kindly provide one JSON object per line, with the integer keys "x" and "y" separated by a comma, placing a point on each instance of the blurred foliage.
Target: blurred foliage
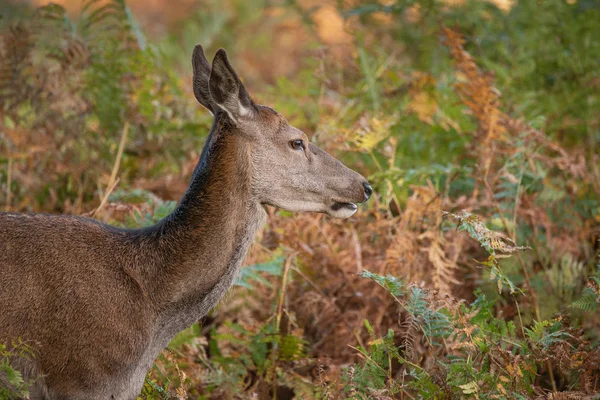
{"x": 66, "y": 87}
{"x": 486, "y": 109}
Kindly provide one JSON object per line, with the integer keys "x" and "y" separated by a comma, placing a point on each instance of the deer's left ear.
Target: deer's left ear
{"x": 227, "y": 90}
{"x": 201, "y": 69}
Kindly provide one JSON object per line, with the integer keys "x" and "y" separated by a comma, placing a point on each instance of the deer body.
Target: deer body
{"x": 98, "y": 303}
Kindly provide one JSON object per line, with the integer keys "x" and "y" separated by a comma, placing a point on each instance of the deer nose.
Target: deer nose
{"x": 368, "y": 190}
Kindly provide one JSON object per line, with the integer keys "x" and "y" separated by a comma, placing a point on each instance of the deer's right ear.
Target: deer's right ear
{"x": 227, "y": 90}
{"x": 201, "y": 69}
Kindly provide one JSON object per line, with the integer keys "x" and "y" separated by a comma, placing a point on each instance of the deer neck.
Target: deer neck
{"x": 207, "y": 236}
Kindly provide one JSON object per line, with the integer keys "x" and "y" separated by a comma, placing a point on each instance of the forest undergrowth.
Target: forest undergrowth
{"x": 474, "y": 272}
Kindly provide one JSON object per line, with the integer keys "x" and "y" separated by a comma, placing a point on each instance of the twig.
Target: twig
{"x": 520, "y": 319}
{"x": 105, "y": 198}
{"x": 112, "y": 181}
{"x": 115, "y": 170}
{"x": 286, "y": 268}
{"x": 357, "y": 251}
{"x": 8, "y": 184}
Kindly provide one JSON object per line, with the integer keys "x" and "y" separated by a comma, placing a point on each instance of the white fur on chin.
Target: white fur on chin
{"x": 341, "y": 213}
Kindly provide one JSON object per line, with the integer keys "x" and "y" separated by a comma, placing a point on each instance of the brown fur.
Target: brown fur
{"x": 98, "y": 303}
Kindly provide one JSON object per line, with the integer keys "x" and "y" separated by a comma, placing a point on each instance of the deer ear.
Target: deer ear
{"x": 227, "y": 90}
{"x": 201, "y": 69}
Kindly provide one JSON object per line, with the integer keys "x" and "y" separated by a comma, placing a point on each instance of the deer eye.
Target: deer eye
{"x": 297, "y": 144}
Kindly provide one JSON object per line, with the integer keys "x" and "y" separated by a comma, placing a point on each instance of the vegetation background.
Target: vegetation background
{"x": 473, "y": 273}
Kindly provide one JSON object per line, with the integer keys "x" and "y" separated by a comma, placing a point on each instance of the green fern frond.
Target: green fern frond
{"x": 160, "y": 211}
{"x": 390, "y": 283}
{"x": 537, "y": 331}
{"x": 291, "y": 347}
{"x": 590, "y": 296}
{"x": 432, "y": 322}
{"x": 588, "y": 301}
{"x": 253, "y": 272}
{"x": 15, "y": 385}
{"x": 489, "y": 240}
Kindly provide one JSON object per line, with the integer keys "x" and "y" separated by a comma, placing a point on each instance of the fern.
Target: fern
{"x": 415, "y": 301}
{"x": 152, "y": 390}
{"x": 260, "y": 347}
{"x": 291, "y": 348}
{"x": 546, "y": 333}
{"x": 13, "y": 384}
{"x": 590, "y": 297}
{"x": 160, "y": 211}
{"x": 375, "y": 373}
{"x": 392, "y": 284}
{"x": 273, "y": 267}
{"x": 588, "y": 301}
{"x": 480, "y": 341}
{"x": 432, "y": 322}
{"x": 492, "y": 242}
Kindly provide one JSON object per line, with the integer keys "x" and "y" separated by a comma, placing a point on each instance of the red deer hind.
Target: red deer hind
{"x": 98, "y": 303}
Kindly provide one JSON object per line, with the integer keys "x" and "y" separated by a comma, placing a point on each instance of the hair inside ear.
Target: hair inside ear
{"x": 227, "y": 90}
{"x": 201, "y": 69}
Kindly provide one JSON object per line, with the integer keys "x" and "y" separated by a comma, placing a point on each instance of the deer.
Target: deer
{"x": 98, "y": 303}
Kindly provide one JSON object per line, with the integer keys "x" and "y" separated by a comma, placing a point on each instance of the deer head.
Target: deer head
{"x": 287, "y": 170}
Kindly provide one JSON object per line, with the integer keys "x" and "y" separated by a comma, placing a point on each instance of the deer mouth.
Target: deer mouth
{"x": 340, "y": 205}
{"x": 340, "y": 209}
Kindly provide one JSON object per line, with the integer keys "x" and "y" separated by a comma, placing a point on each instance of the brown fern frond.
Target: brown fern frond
{"x": 409, "y": 328}
{"x": 570, "y": 396}
{"x": 476, "y": 89}
{"x": 443, "y": 271}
